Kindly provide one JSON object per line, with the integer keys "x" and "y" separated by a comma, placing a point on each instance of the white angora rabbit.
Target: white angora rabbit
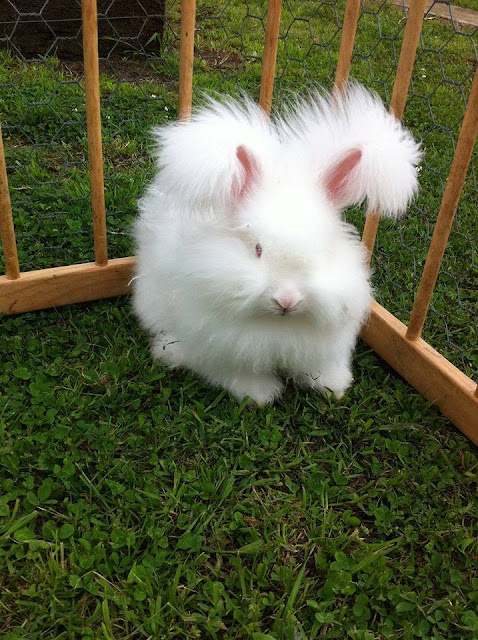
{"x": 246, "y": 272}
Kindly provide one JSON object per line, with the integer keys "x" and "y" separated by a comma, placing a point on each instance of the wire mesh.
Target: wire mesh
{"x": 43, "y": 111}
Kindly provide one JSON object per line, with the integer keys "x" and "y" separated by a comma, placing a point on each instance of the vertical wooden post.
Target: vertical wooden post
{"x": 408, "y": 52}
{"x": 349, "y": 28}
{"x": 186, "y": 58}
{"x": 270, "y": 54}
{"x": 6, "y": 220}
{"x": 449, "y": 204}
{"x": 93, "y": 117}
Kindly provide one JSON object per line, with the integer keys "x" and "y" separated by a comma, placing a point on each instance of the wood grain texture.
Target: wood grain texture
{"x": 349, "y": 28}
{"x": 93, "y": 121}
{"x": 47, "y": 288}
{"x": 425, "y": 369}
{"x": 408, "y": 52}
{"x": 398, "y": 100}
{"x": 448, "y": 207}
{"x": 186, "y": 58}
{"x": 369, "y": 233}
{"x": 270, "y": 54}
{"x": 7, "y": 230}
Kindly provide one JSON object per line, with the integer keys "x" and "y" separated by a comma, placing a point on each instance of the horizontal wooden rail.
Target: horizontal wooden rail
{"x": 7, "y": 230}
{"x": 270, "y": 54}
{"x": 46, "y": 288}
{"x": 186, "y": 58}
{"x": 446, "y": 11}
{"x": 449, "y": 204}
{"x": 425, "y": 369}
{"x": 93, "y": 121}
{"x": 408, "y": 51}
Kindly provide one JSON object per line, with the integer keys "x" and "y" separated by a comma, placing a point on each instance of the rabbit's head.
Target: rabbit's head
{"x": 265, "y": 238}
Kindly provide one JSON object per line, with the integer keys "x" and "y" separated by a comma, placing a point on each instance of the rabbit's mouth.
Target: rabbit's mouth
{"x": 280, "y": 310}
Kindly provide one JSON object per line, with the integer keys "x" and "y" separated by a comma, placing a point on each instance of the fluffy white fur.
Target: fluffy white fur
{"x": 246, "y": 273}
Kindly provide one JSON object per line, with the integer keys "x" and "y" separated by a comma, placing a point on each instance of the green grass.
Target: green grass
{"x": 139, "y": 503}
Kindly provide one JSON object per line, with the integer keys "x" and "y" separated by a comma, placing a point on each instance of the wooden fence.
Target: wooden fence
{"x": 401, "y": 346}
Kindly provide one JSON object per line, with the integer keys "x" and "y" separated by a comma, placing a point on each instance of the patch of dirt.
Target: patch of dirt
{"x": 144, "y": 70}
{"x": 220, "y": 59}
{"x": 121, "y": 69}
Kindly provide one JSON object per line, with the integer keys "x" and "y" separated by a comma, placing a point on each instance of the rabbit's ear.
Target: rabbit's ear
{"x": 213, "y": 161}
{"x": 340, "y": 181}
{"x": 386, "y": 173}
{"x": 361, "y": 151}
{"x": 249, "y": 175}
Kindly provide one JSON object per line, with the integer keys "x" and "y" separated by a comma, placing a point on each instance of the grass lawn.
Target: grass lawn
{"x": 139, "y": 503}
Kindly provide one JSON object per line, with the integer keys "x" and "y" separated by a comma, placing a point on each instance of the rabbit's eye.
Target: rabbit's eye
{"x": 258, "y": 250}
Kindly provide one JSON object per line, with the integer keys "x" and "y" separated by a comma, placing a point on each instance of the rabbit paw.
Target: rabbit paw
{"x": 261, "y": 389}
{"x": 333, "y": 383}
{"x": 167, "y": 349}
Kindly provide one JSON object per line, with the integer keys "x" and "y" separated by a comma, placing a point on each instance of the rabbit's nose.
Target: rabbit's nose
{"x": 286, "y": 302}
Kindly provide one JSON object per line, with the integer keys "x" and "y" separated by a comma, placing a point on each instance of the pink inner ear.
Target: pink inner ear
{"x": 336, "y": 178}
{"x": 250, "y": 169}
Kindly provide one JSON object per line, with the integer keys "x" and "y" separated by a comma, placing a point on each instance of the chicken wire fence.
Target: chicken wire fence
{"x": 44, "y": 124}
